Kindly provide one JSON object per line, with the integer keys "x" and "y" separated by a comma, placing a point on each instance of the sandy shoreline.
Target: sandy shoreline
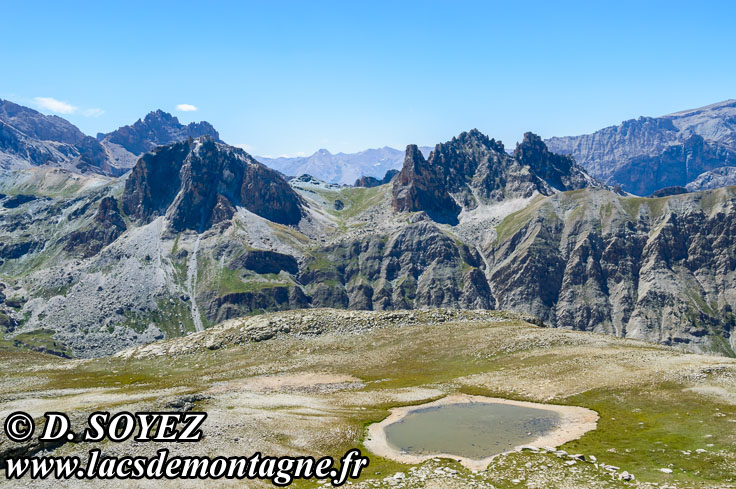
{"x": 574, "y": 422}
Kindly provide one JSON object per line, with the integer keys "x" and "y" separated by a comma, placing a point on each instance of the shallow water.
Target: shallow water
{"x": 473, "y": 430}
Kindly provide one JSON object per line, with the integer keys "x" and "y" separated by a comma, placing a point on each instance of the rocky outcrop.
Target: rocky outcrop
{"x": 154, "y": 182}
{"x": 107, "y": 225}
{"x": 667, "y": 191}
{"x": 18, "y": 200}
{"x": 421, "y": 186}
{"x": 12, "y": 251}
{"x": 260, "y": 300}
{"x": 198, "y": 183}
{"x": 649, "y": 153}
{"x": 558, "y": 171}
{"x": 472, "y": 169}
{"x": 263, "y": 261}
{"x": 368, "y": 182}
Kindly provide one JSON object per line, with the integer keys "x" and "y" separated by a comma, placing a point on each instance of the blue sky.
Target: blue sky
{"x": 292, "y": 77}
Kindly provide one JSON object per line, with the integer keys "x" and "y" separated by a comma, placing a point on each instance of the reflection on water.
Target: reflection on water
{"x": 473, "y": 430}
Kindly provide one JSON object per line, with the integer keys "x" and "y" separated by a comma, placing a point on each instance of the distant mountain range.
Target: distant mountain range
{"x": 343, "y": 168}
{"x": 649, "y": 153}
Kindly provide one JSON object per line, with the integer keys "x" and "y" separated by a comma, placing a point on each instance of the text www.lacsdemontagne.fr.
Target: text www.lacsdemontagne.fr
{"x": 281, "y": 471}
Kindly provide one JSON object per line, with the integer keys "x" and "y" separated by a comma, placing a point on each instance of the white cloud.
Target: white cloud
{"x": 54, "y": 105}
{"x": 94, "y": 112}
{"x": 186, "y": 108}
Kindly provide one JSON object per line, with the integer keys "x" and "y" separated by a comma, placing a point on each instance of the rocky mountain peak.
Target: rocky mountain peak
{"x": 159, "y": 116}
{"x": 420, "y": 186}
{"x": 472, "y": 168}
{"x": 531, "y": 143}
{"x": 559, "y": 171}
{"x": 366, "y": 181}
{"x": 475, "y": 137}
{"x": 198, "y": 183}
{"x": 158, "y": 128}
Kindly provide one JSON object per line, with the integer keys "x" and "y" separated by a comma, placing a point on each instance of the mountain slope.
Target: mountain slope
{"x": 198, "y": 183}
{"x": 655, "y": 269}
{"x": 649, "y": 153}
{"x": 200, "y": 233}
{"x": 29, "y": 138}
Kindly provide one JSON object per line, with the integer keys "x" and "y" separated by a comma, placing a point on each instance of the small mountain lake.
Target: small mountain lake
{"x": 475, "y": 430}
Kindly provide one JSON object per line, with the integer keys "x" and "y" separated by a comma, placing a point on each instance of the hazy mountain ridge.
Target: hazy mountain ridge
{"x": 343, "y": 168}
{"x": 649, "y": 153}
{"x": 720, "y": 177}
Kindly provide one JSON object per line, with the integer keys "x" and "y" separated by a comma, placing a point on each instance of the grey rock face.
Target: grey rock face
{"x": 667, "y": 191}
{"x": 105, "y": 228}
{"x": 220, "y": 308}
{"x": 677, "y": 165}
{"x": 198, "y": 183}
{"x": 649, "y": 153}
{"x": 261, "y": 261}
{"x": 422, "y": 186}
{"x": 654, "y": 269}
{"x": 720, "y": 177}
{"x": 419, "y": 266}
